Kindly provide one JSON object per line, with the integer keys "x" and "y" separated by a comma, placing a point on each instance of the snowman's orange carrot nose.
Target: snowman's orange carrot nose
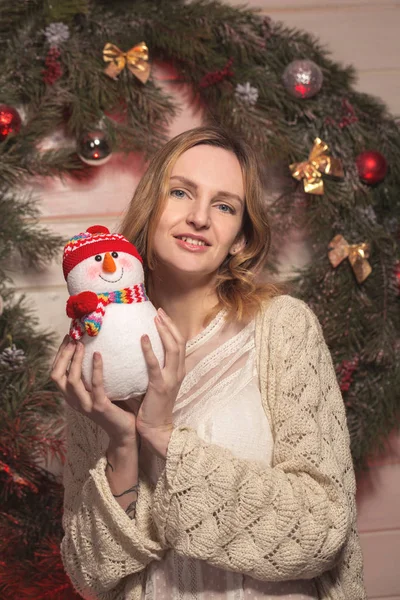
{"x": 109, "y": 265}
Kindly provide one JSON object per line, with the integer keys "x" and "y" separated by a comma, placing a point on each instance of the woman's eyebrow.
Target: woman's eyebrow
{"x": 231, "y": 196}
{"x": 194, "y": 185}
{"x": 185, "y": 180}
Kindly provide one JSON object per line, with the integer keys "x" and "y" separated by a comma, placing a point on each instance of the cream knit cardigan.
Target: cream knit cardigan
{"x": 296, "y": 519}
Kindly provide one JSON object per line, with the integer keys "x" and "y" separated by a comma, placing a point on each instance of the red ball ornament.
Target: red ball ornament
{"x": 372, "y": 166}
{"x": 397, "y": 275}
{"x": 10, "y": 121}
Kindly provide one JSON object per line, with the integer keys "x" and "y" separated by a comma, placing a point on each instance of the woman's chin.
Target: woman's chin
{"x": 185, "y": 269}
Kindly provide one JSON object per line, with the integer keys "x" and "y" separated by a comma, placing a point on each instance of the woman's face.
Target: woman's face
{"x": 202, "y": 219}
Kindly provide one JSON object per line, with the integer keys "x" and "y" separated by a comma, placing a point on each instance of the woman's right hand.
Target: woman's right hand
{"x": 119, "y": 424}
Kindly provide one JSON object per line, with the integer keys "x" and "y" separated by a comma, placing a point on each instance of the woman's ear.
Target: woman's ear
{"x": 238, "y": 245}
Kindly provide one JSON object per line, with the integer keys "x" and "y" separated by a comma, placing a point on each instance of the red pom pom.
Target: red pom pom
{"x": 82, "y": 304}
{"x": 97, "y": 229}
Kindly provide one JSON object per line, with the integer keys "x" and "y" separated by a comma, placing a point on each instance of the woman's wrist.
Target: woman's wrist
{"x": 158, "y": 439}
{"x": 122, "y": 472}
{"x": 123, "y": 445}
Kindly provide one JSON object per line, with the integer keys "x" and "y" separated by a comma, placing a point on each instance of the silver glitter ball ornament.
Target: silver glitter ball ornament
{"x": 302, "y": 78}
{"x": 93, "y": 148}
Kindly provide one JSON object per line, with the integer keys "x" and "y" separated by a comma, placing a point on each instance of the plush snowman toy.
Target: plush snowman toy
{"x": 110, "y": 310}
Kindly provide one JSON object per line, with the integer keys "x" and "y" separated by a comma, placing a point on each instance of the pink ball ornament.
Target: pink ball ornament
{"x": 303, "y": 78}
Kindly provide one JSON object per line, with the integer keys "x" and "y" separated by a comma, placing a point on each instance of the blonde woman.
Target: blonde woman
{"x": 232, "y": 479}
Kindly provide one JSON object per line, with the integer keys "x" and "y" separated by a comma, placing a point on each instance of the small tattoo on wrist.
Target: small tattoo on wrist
{"x": 131, "y": 510}
{"x": 134, "y": 488}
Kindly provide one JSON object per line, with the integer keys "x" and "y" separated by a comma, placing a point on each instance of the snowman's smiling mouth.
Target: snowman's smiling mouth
{"x": 115, "y": 280}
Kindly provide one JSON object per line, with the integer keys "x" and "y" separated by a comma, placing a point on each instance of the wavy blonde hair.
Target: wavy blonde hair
{"x": 238, "y": 286}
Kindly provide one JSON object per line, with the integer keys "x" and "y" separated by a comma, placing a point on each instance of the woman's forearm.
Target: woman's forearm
{"x": 122, "y": 473}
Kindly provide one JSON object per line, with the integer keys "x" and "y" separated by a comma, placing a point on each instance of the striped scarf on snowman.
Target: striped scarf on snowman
{"x": 92, "y": 322}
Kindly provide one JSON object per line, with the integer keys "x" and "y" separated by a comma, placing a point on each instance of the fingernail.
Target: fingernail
{"x": 162, "y": 313}
{"x": 146, "y": 339}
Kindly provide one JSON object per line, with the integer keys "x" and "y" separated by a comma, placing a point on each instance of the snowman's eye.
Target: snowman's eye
{"x": 98, "y": 257}
{"x": 114, "y": 254}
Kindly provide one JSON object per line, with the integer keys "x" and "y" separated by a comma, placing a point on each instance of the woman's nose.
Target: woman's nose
{"x": 199, "y": 217}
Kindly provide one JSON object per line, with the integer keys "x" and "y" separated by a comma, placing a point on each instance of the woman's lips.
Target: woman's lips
{"x": 191, "y": 247}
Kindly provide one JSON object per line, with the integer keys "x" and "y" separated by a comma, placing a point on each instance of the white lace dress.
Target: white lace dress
{"x": 220, "y": 399}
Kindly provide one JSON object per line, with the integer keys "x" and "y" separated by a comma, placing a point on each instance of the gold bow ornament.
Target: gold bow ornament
{"x": 136, "y": 60}
{"x": 357, "y": 254}
{"x": 311, "y": 170}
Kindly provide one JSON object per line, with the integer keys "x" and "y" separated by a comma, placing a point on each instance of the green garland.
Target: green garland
{"x": 216, "y": 48}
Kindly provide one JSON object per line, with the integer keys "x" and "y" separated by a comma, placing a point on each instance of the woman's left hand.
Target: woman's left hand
{"x": 154, "y": 418}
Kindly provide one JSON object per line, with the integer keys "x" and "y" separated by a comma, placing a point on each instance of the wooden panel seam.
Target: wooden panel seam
{"x": 324, "y": 8}
{"x": 384, "y": 70}
{"x": 366, "y": 532}
{"x": 384, "y": 597}
{"x": 75, "y": 217}
{"x": 371, "y": 533}
{"x": 33, "y": 289}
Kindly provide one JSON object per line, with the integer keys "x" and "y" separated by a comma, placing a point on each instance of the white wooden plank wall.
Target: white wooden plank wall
{"x": 364, "y": 33}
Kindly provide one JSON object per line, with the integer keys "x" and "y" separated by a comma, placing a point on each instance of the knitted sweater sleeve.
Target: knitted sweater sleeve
{"x": 101, "y": 546}
{"x": 287, "y": 521}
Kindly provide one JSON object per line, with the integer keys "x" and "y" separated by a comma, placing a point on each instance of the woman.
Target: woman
{"x": 243, "y": 485}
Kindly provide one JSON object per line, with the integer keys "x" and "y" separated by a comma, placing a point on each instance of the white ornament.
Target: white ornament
{"x": 56, "y": 33}
{"x": 246, "y": 93}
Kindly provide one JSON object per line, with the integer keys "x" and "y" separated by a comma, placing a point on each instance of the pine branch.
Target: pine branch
{"x": 20, "y": 232}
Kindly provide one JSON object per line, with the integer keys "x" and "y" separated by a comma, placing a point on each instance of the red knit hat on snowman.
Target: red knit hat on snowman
{"x": 95, "y": 240}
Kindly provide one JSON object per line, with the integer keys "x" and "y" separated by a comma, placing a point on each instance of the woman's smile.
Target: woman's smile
{"x": 192, "y": 244}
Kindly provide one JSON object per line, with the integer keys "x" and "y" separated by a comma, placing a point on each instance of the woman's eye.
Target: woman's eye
{"x": 178, "y": 193}
{"x": 114, "y": 254}
{"x": 98, "y": 257}
{"x": 226, "y": 208}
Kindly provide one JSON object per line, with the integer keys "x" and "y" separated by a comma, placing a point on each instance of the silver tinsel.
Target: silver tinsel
{"x": 12, "y": 358}
{"x": 246, "y": 93}
{"x": 56, "y": 33}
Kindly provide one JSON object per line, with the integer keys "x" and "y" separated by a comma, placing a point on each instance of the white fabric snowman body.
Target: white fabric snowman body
{"x": 110, "y": 310}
